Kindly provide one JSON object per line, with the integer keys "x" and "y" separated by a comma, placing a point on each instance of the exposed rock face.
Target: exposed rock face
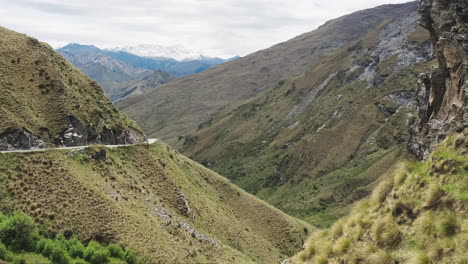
{"x": 19, "y": 139}
{"x": 443, "y": 92}
{"x": 78, "y": 135}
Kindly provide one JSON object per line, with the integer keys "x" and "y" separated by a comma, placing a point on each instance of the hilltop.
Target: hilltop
{"x": 46, "y": 101}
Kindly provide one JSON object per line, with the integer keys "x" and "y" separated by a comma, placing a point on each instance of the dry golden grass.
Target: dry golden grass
{"x": 420, "y": 218}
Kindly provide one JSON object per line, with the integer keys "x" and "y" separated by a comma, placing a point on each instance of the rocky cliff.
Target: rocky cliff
{"x": 44, "y": 100}
{"x": 443, "y": 92}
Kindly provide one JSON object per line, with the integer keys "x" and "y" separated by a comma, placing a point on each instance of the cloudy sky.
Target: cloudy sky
{"x": 213, "y": 27}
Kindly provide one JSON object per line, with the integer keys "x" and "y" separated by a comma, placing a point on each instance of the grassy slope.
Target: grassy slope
{"x": 39, "y": 89}
{"x": 314, "y": 165}
{"x": 119, "y": 91}
{"x": 178, "y": 108}
{"x": 135, "y": 198}
{"x": 417, "y": 215}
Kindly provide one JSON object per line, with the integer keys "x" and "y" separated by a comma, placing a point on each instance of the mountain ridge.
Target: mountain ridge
{"x": 316, "y": 143}
{"x": 198, "y": 97}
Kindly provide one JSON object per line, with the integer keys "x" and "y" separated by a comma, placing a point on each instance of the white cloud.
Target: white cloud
{"x": 214, "y": 27}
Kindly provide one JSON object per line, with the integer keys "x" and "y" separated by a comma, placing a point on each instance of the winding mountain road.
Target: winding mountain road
{"x": 149, "y": 141}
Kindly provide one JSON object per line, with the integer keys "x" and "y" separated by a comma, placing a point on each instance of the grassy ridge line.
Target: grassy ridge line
{"x": 150, "y": 198}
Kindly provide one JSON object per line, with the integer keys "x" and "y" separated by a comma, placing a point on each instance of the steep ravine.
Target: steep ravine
{"x": 314, "y": 144}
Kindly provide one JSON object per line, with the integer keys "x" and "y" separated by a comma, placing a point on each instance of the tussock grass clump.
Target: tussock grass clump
{"x": 341, "y": 246}
{"x": 400, "y": 174}
{"x": 425, "y": 229}
{"x": 434, "y": 195}
{"x": 379, "y": 257}
{"x": 321, "y": 260}
{"x": 448, "y": 224}
{"x": 386, "y": 233}
{"x": 381, "y": 192}
{"x": 419, "y": 258}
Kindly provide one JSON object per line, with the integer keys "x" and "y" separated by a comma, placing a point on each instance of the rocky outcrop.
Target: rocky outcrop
{"x": 19, "y": 139}
{"x": 442, "y": 93}
{"x": 78, "y": 134}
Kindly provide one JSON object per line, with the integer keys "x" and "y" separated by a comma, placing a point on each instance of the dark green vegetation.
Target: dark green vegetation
{"x": 417, "y": 214}
{"x": 42, "y": 95}
{"x": 148, "y": 198}
{"x": 314, "y": 144}
{"x": 177, "y": 108}
{"x": 22, "y": 243}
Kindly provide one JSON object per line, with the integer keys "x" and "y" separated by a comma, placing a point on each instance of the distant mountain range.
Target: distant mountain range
{"x": 177, "y": 53}
{"x": 113, "y": 68}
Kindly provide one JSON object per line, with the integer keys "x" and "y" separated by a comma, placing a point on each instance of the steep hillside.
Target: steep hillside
{"x": 153, "y": 79}
{"x": 44, "y": 100}
{"x": 146, "y": 197}
{"x": 417, "y": 214}
{"x": 315, "y": 144}
{"x": 178, "y": 108}
{"x": 149, "y": 198}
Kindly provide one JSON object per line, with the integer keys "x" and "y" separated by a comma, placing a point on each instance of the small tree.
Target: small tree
{"x": 18, "y": 232}
{"x": 59, "y": 256}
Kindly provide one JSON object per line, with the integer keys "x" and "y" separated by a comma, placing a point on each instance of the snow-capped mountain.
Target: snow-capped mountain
{"x": 178, "y": 53}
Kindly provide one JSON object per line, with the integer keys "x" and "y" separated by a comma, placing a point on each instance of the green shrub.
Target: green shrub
{"x": 3, "y": 251}
{"x": 80, "y": 261}
{"x": 101, "y": 256}
{"x": 130, "y": 257}
{"x": 95, "y": 253}
{"x": 90, "y": 250}
{"x": 49, "y": 247}
{"x": 72, "y": 242}
{"x": 116, "y": 251}
{"x": 19, "y": 260}
{"x": 59, "y": 256}
{"x": 77, "y": 250}
{"x": 18, "y": 232}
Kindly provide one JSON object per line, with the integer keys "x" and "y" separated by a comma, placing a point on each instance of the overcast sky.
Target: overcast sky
{"x": 213, "y": 27}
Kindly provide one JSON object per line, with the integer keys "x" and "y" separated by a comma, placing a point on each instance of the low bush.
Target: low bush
{"x": 3, "y": 251}
{"x": 100, "y": 256}
{"x": 18, "y": 232}
{"x": 131, "y": 257}
{"x": 59, "y": 256}
{"x": 116, "y": 251}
